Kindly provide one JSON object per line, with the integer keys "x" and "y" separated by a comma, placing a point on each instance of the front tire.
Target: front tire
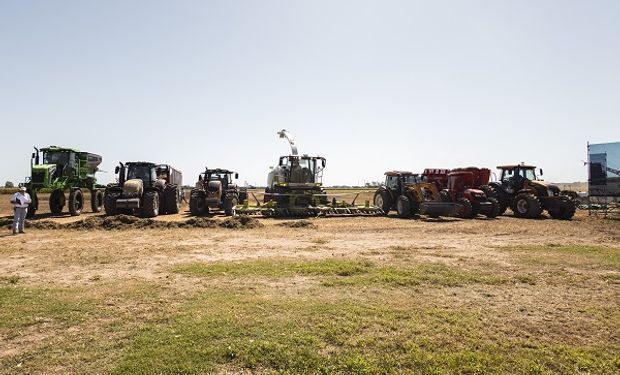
{"x": 76, "y": 202}
{"x": 33, "y": 206}
{"x": 229, "y": 205}
{"x": 527, "y": 205}
{"x": 403, "y": 207}
{"x": 465, "y": 210}
{"x": 566, "y": 212}
{"x": 171, "y": 199}
{"x": 383, "y": 200}
{"x": 492, "y": 191}
{"x": 109, "y": 202}
{"x": 494, "y": 211}
{"x": 198, "y": 203}
{"x": 150, "y": 204}
{"x": 57, "y": 202}
{"x": 96, "y": 200}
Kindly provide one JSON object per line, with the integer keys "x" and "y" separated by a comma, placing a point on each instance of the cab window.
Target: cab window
{"x": 391, "y": 182}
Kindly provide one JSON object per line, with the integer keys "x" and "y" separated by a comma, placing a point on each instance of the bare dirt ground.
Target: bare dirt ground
{"x": 553, "y": 282}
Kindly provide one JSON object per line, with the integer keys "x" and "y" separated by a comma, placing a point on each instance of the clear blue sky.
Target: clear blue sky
{"x": 371, "y": 85}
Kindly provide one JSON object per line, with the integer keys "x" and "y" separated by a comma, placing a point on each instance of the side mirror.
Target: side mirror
{"x": 541, "y": 172}
{"x": 236, "y": 176}
{"x": 117, "y": 169}
{"x": 323, "y": 162}
{"x": 33, "y": 155}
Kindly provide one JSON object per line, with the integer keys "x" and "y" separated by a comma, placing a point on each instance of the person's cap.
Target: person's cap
{"x": 23, "y": 188}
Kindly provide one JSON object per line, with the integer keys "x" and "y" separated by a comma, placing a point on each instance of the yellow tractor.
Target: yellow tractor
{"x": 409, "y": 194}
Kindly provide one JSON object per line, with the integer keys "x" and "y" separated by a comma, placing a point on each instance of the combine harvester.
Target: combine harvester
{"x": 294, "y": 189}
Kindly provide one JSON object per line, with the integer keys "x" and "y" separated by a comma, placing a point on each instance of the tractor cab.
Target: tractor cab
{"x": 297, "y": 170}
{"x": 144, "y": 171}
{"x": 224, "y": 176}
{"x": 517, "y": 177}
{"x": 57, "y": 162}
{"x": 397, "y": 181}
{"x": 460, "y": 181}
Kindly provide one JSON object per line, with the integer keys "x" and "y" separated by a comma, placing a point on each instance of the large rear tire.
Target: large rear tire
{"x": 96, "y": 200}
{"x": 383, "y": 200}
{"x": 198, "y": 203}
{"x": 57, "y": 201}
{"x": 150, "y": 203}
{"x": 465, "y": 209}
{"x": 76, "y": 202}
{"x": 109, "y": 202}
{"x": 229, "y": 204}
{"x": 403, "y": 207}
{"x": 171, "y": 199}
{"x": 526, "y": 205}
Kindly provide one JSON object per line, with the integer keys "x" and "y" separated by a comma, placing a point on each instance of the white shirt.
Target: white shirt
{"x": 20, "y": 200}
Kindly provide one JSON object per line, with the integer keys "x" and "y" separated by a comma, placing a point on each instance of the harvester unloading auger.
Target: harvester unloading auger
{"x": 295, "y": 189}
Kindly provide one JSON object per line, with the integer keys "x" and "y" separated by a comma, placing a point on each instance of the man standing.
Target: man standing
{"x": 20, "y": 202}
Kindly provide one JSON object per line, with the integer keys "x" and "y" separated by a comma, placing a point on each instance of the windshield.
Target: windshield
{"x": 530, "y": 174}
{"x": 219, "y": 176}
{"x": 141, "y": 172}
{"x": 302, "y": 169}
{"x": 55, "y": 157}
{"x": 411, "y": 179}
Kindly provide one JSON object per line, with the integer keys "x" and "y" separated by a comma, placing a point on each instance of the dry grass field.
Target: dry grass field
{"x": 335, "y": 295}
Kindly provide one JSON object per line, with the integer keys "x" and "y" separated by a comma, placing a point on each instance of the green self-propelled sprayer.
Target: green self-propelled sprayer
{"x": 62, "y": 170}
{"x": 295, "y": 189}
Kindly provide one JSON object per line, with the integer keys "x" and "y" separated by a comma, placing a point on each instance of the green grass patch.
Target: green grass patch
{"x": 345, "y": 272}
{"x": 311, "y": 334}
{"x": 568, "y": 255}
{"x": 276, "y": 268}
{"x": 22, "y": 306}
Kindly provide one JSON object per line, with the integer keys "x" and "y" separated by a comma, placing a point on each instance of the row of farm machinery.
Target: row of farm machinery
{"x": 294, "y": 189}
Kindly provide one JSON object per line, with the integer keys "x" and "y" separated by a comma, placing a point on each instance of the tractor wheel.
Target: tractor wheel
{"x": 475, "y": 208}
{"x": 383, "y": 200}
{"x": 96, "y": 200}
{"x": 494, "y": 212}
{"x": 526, "y": 205}
{"x": 150, "y": 203}
{"x": 198, "y": 203}
{"x": 465, "y": 209}
{"x": 76, "y": 202}
{"x": 57, "y": 201}
{"x": 109, "y": 202}
{"x": 34, "y": 205}
{"x": 403, "y": 206}
{"x": 171, "y": 199}
{"x": 564, "y": 213}
{"x": 243, "y": 196}
{"x": 492, "y": 191}
{"x": 229, "y": 204}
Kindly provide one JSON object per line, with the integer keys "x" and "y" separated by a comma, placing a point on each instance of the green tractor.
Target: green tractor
{"x": 60, "y": 170}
